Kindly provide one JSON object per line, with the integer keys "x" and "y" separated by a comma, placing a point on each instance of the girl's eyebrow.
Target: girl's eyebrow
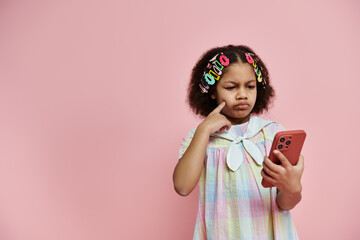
{"x": 229, "y": 81}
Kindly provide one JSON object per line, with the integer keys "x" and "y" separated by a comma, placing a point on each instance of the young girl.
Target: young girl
{"x": 227, "y": 153}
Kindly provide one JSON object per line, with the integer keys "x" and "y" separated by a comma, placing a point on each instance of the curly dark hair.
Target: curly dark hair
{"x": 202, "y": 103}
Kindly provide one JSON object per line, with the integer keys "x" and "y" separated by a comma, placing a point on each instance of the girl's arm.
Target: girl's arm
{"x": 287, "y": 201}
{"x": 188, "y": 170}
{"x": 287, "y": 179}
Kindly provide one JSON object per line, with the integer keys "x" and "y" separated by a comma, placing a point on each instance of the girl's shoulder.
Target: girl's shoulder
{"x": 190, "y": 134}
{"x": 186, "y": 141}
{"x": 272, "y": 128}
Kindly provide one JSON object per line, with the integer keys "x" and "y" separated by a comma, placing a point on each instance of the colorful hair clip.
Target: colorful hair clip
{"x": 203, "y": 89}
{"x": 213, "y": 72}
{"x": 257, "y": 68}
{"x": 215, "y": 66}
{"x": 249, "y": 58}
{"x": 259, "y": 78}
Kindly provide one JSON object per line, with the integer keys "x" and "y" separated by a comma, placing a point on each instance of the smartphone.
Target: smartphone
{"x": 288, "y": 143}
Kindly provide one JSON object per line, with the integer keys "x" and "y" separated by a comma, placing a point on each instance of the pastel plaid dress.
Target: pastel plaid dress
{"x": 233, "y": 205}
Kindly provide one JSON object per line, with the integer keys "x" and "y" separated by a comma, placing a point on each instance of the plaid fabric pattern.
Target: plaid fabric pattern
{"x": 234, "y": 205}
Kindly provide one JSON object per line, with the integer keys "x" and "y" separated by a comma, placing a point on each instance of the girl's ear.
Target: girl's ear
{"x": 213, "y": 96}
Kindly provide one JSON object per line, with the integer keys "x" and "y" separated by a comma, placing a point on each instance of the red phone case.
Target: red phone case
{"x": 290, "y": 144}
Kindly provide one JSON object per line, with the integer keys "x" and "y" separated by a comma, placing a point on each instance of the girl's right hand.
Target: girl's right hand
{"x": 215, "y": 121}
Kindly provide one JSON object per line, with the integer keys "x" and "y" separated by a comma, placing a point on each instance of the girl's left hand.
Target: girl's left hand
{"x": 285, "y": 177}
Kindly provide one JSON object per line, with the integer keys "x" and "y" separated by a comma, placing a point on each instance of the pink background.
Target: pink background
{"x": 92, "y": 111}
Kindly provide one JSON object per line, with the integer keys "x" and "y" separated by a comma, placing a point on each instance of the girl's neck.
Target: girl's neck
{"x": 237, "y": 121}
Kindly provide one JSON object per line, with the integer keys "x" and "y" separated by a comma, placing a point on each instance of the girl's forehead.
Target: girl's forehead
{"x": 239, "y": 66}
{"x": 238, "y": 72}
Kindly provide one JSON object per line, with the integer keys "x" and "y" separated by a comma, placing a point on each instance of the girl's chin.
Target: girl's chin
{"x": 238, "y": 118}
{"x": 239, "y": 114}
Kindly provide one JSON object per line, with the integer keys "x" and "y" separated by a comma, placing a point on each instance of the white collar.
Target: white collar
{"x": 234, "y": 156}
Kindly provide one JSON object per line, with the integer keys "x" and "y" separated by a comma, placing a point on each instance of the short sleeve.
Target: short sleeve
{"x": 272, "y": 129}
{"x": 269, "y": 134}
{"x": 186, "y": 142}
{"x": 279, "y": 128}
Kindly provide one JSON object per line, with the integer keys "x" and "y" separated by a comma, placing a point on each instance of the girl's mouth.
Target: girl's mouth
{"x": 242, "y": 106}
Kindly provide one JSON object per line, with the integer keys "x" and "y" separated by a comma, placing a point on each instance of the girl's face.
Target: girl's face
{"x": 237, "y": 87}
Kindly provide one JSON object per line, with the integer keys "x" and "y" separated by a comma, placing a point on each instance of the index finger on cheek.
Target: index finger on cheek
{"x": 219, "y": 107}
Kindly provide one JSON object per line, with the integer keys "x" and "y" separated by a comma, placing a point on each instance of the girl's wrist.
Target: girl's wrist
{"x": 287, "y": 201}
{"x": 294, "y": 191}
{"x": 203, "y": 129}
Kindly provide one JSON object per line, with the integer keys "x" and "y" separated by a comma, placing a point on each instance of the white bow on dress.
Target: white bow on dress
{"x": 234, "y": 157}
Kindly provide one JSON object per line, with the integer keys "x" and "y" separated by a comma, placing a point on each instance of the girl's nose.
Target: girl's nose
{"x": 241, "y": 93}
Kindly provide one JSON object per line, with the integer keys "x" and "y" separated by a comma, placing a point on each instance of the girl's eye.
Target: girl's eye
{"x": 229, "y": 87}
{"x": 251, "y": 86}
